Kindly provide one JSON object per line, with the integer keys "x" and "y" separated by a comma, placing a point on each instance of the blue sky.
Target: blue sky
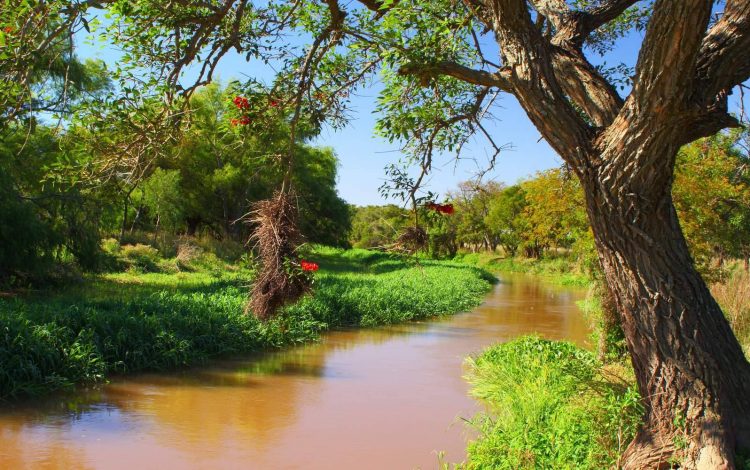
{"x": 363, "y": 155}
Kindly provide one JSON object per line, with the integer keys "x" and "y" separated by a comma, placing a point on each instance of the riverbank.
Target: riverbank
{"x": 128, "y": 322}
{"x": 731, "y": 289}
{"x": 550, "y": 404}
{"x": 560, "y": 270}
{"x": 555, "y": 405}
{"x": 296, "y": 407}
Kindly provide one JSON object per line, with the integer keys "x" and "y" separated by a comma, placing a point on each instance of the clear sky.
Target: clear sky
{"x": 363, "y": 155}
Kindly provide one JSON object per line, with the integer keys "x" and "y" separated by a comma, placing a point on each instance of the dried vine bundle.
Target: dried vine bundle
{"x": 413, "y": 239}
{"x": 276, "y": 238}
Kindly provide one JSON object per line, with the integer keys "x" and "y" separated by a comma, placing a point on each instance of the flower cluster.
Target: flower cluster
{"x": 442, "y": 208}
{"x": 243, "y": 121}
{"x": 308, "y": 265}
{"x": 273, "y": 103}
{"x": 241, "y": 102}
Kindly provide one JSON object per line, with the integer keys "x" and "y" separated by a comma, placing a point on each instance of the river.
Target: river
{"x": 383, "y": 398}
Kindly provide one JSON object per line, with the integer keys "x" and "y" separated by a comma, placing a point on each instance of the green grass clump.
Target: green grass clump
{"x": 551, "y": 405}
{"x": 140, "y": 257}
{"x": 133, "y": 321}
{"x": 389, "y": 291}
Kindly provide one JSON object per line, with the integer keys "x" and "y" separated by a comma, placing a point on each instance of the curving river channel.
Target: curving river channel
{"x": 385, "y": 398}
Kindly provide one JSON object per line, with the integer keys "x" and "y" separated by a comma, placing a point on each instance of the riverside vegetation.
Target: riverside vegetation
{"x": 117, "y": 162}
{"x": 552, "y": 404}
{"x": 138, "y": 320}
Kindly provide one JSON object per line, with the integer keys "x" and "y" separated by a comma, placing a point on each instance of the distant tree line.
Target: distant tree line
{"x": 546, "y": 213}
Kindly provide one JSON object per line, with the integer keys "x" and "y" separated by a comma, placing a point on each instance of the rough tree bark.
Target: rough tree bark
{"x": 691, "y": 371}
{"x": 690, "y": 368}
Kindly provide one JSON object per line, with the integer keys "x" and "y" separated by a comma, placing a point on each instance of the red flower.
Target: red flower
{"x": 8, "y": 29}
{"x": 273, "y": 103}
{"x": 447, "y": 209}
{"x": 244, "y": 121}
{"x": 442, "y": 208}
{"x": 308, "y": 265}
{"x": 241, "y": 102}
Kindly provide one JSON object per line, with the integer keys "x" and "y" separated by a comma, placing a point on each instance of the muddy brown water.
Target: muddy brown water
{"x": 383, "y": 398}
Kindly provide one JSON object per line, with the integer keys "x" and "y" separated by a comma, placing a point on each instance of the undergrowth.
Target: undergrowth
{"x": 733, "y": 294}
{"x": 133, "y": 321}
{"x": 550, "y": 405}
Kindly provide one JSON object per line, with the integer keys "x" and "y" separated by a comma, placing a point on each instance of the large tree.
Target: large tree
{"x": 692, "y": 374}
{"x": 691, "y": 371}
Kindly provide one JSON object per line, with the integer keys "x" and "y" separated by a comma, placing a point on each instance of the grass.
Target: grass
{"x": 127, "y": 322}
{"x": 559, "y": 269}
{"x": 733, "y": 295}
{"x": 550, "y": 405}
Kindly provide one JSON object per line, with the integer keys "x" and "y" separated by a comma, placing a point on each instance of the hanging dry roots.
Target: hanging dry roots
{"x": 276, "y": 238}
{"x": 413, "y": 239}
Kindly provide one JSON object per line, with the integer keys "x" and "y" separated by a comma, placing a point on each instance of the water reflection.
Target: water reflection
{"x": 380, "y": 398}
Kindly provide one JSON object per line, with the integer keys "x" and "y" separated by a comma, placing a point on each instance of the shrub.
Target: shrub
{"x": 551, "y": 405}
{"x": 142, "y": 258}
{"x": 605, "y": 323}
{"x": 187, "y": 253}
{"x": 111, "y": 246}
{"x": 226, "y": 249}
{"x": 561, "y": 269}
{"x": 165, "y": 242}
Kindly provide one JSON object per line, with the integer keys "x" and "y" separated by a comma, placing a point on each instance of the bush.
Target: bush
{"x": 165, "y": 242}
{"x": 111, "y": 246}
{"x": 142, "y": 258}
{"x": 226, "y": 249}
{"x": 552, "y": 405}
{"x": 26, "y": 242}
{"x": 559, "y": 268}
{"x": 187, "y": 253}
{"x": 606, "y": 330}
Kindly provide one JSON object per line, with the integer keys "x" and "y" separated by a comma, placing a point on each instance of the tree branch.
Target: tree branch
{"x": 586, "y": 87}
{"x": 528, "y": 59}
{"x": 666, "y": 63}
{"x": 573, "y": 27}
{"x": 461, "y": 72}
{"x": 555, "y": 11}
{"x": 723, "y": 61}
{"x": 604, "y": 13}
{"x": 578, "y": 78}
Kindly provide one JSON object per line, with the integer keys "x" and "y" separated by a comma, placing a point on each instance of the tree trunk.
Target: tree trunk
{"x": 691, "y": 371}
{"x": 156, "y": 228}
{"x": 125, "y": 205}
{"x": 136, "y": 218}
